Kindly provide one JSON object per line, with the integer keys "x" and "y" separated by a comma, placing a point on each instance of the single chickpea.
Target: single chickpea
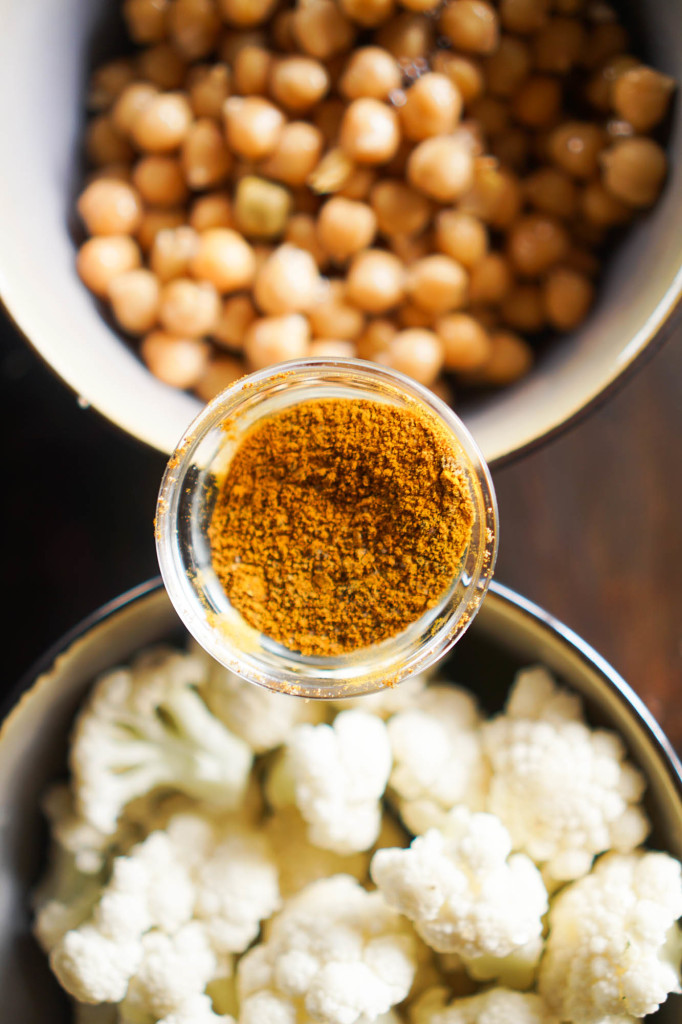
{"x": 220, "y": 373}
{"x": 333, "y": 317}
{"x": 104, "y": 144}
{"x": 464, "y": 73}
{"x": 470, "y": 25}
{"x": 358, "y": 184}
{"x": 237, "y": 315}
{"x": 246, "y": 13}
{"x": 433, "y": 106}
{"x": 213, "y": 210}
{"x": 330, "y": 174}
{"x": 287, "y": 282}
{"x": 510, "y": 359}
{"x": 600, "y": 207}
{"x": 274, "y": 339}
{"x": 437, "y": 284}
{"x": 370, "y": 73}
{"x": 536, "y": 243}
{"x": 261, "y": 208}
{"x": 132, "y": 100}
{"x": 103, "y": 258}
{"x": 146, "y": 20}
{"x": 524, "y": 309}
{"x": 412, "y": 315}
{"x": 375, "y": 339}
{"x": 206, "y": 160}
{"x": 495, "y": 196}
{"x": 507, "y": 68}
{"x": 491, "y": 116}
{"x": 465, "y": 341}
{"x": 225, "y": 259}
{"x": 368, "y": 13}
{"x": 160, "y": 181}
{"x": 410, "y": 248}
{"x": 332, "y": 348}
{"x": 375, "y": 281}
{"x": 108, "y": 82}
{"x": 173, "y": 251}
{"x": 208, "y": 86}
{"x": 634, "y": 171}
{"x": 370, "y": 132}
{"x": 399, "y": 209}
{"x": 253, "y": 126}
{"x": 296, "y": 154}
{"x": 110, "y": 207}
{"x": 461, "y": 236}
{"x": 524, "y": 16}
{"x": 642, "y": 96}
{"x": 178, "y": 362}
{"x": 345, "y": 226}
{"x": 134, "y": 298}
{"x": 156, "y": 220}
{"x": 163, "y": 123}
{"x": 416, "y": 352}
{"x": 322, "y": 29}
{"x": 599, "y": 88}
{"x": 442, "y": 167}
{"x": 490, "y": 280}
{"x": 568, "y": 296}
{"x": 537, "y": 104}
{"x": 604, "y": 41}
{"x": 298, "y": 83}
{"x": 575, "y": 147}
{"x": 189, "y": 308}
{"x": 551, "y": 191}
{"x": 558, "y": 46}
{"x": 301, "y": 231}
{"x": 251, "y": 71}
{"x": 162, "y": 65}
{"x": 193, "y": 27}
{"x": 408, "y": 36}
{"x": 512, "y": 149}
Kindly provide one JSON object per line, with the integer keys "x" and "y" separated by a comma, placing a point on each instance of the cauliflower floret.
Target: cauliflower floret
{"x": 301, "y": 863}
{"x": 334, "y": 953}
{"x": 463, "y": 890}
{"x": 564, "y": 791}
{"x": 336, "y": 775}
{"x": 437, "y": 755}
{"x": 614, "y": 947}
{"x": 146, "y": 726}
{"x": 496, "y": 1006}
{"x": 197, "y": 1010}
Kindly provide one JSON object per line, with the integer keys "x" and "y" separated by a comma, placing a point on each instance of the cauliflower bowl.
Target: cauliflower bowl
{"x": 406, "y": 929}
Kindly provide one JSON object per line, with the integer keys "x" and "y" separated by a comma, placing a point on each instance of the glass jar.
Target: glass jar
{"x": 187, "y": 496}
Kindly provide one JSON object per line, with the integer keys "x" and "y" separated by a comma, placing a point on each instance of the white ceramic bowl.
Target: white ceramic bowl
{"x": 45, "y": 48}
{"x": 508, "y": 632}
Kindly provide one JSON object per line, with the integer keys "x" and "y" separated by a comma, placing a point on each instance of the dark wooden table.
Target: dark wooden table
{"x": 590, "y": 524}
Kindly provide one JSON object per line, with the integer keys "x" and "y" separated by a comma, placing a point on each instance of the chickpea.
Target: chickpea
{"x": 358, "y": 184}
{"x": 603, "y": 42}
{"x": 510, "y": 359}
{"x": 470, "y": 25}
{"x": 253, "y": 126}
{"x": 214, "y": 210}
{"x": 464, "y": 73}
{"x": 287, "y": 282}
{"x": 173, "y": 251}
{"x": 189, "y": 308}
{"x": 370, "y": 132}
{"x": 160, "y": 181}
{"x": 108, "y": 82}
{"x": 104, "y": 144}
{"x": 220, "y": 373}
{"x": 491, "y": 116}
{"x": 535, "y": 243}
{"x": 193, "y": 27}
{"x": 132, "y": 100}
{"x": 410, "y": 248}
{"x": 599, "y": 207}
{"x": 490, "y": 280}
{"x": 524, "y": 309}
{"x": 551, "y": 191}
{"x": 370, "y": 73}
{"x": 261, "y": 208}
{"x": 368, "y": 13}
{"x": 407, "y": 36}
{"x": 110, "y": 207}
{"x": 345, "y": 226}
{"x": 103, "y": 258}
{"x": 298, "y": 83}
{"x": 178, "y": 362}
{"x": 237, "y": 315}
{"x": 599, "y": 89}
{"x": 208, "y": 86}
{"x": 416, "y": 352}
{"x": 524, "y": 16}
{"x": 156, "y": 220}
{"x": 163, "y": 123}
{"x": 508, "y": 67}
{"x": 225, "y": 259}
{"x": 442, "y": 167}
{"x": 462, "y": 237}
{"x": 575, "y": 147}
{"x": 322, "y": 30}
{"x": 296, "y": 154}
{"x": 273, "y": 339}
{"x": 333, "y": 317}
{"x": 412, "y": 315}
{"x": 568, "y": 296}
{"x": 163, "y": 66}
{"x": 114, "y": 172}
{"x": 375, "y": 281}
{"x": 537, "y": 104}
{"x": 301, "y": 231}
{"x": 331, "y": 173}
{"x": 433, "y": 106}
{"x": 495, "y": 196}
{"x": 375, "y": 339}
{"x": 465, "y": 341}
{"x": 146, "y": 20}
{"x": 437, "y": 284}
{"x": 641, "y": 96}
{"x": 557, "y": 47}
{"x": 246, "y": 13}
{"x": 331, "y": 348}
{"x": 634, "y": 171}
{"x": 134, "y": 298}
{"x": 399, "y": 209}
{"x": 251, "y": 71}
{"x": 205, "y": 158}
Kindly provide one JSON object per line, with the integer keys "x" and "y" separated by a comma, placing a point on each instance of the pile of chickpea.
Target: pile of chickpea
{"x": 426, "y": 185}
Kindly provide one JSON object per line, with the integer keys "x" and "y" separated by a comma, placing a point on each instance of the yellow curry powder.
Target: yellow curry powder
{"x": 339, "y": 523}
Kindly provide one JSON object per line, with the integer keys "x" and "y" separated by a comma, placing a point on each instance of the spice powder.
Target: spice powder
{"x": 339, "y": 523}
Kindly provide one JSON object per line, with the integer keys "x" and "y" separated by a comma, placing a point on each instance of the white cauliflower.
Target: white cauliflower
{"x": 146, "y": 727}
{"x": 437, "y": 757}
{"x": 614, "y": 946}
{"x": 197, "y": 1010}
{"x": 301, "y": 863}
{"x": 463, "y": 890}
{"x": 335, "y": 775}
{"x": 496, "y": 1006}
{"x": 335, "y": 953}
{"x": 564, "y": 791}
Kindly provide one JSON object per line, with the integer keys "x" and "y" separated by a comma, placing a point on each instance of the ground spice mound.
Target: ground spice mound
{"x": 339, "y": 523}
